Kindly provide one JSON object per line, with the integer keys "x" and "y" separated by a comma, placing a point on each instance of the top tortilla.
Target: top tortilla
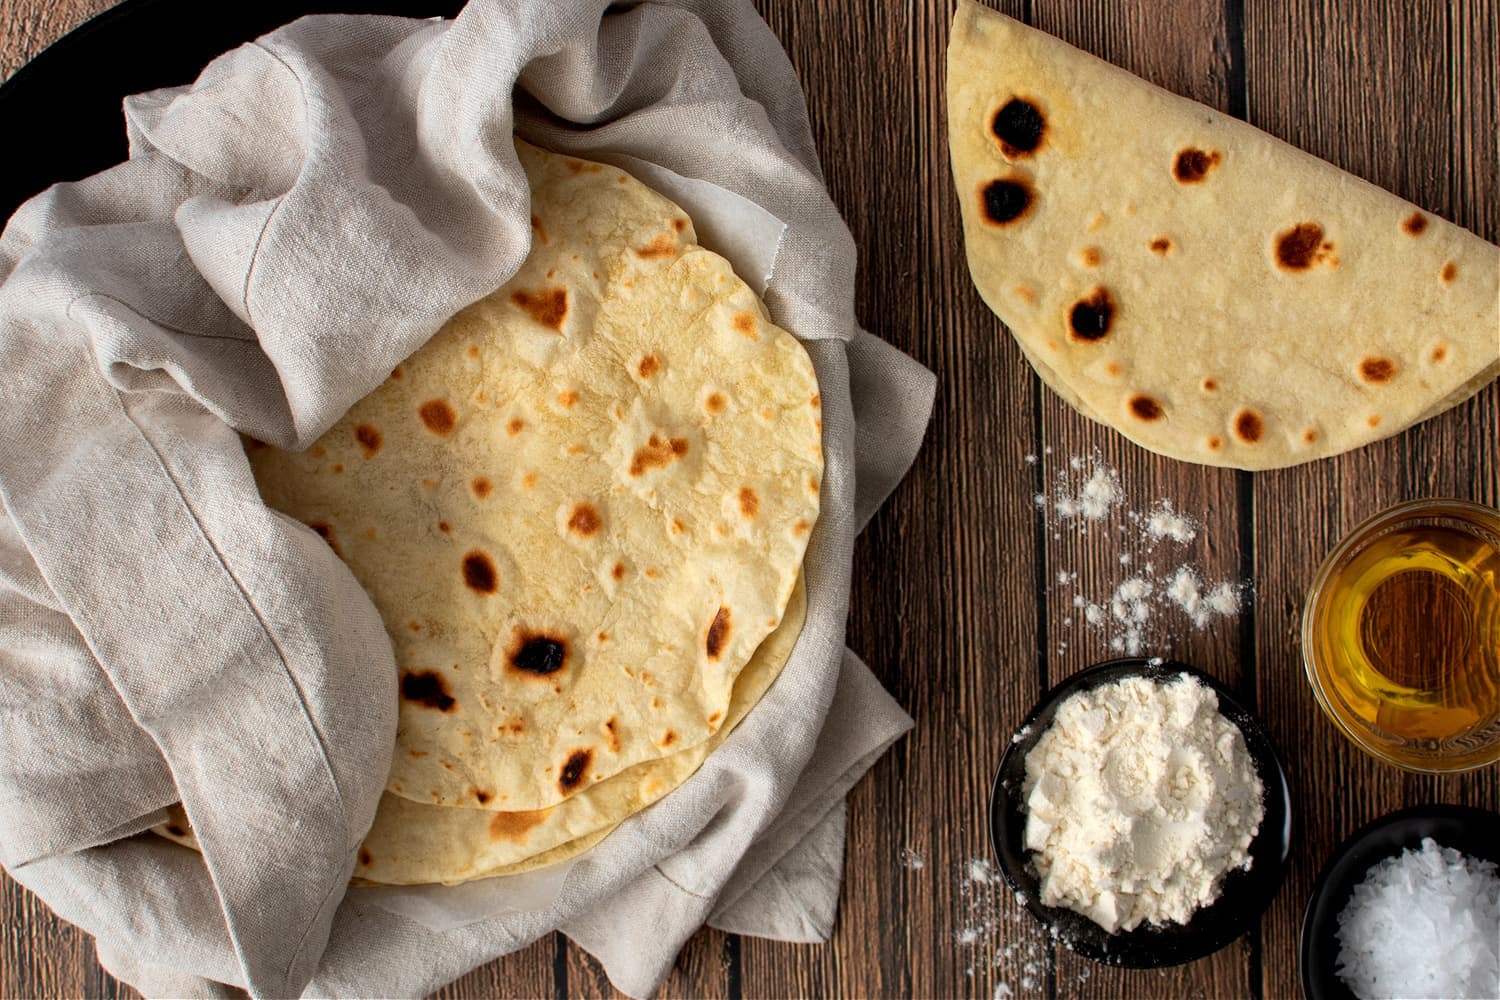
{"x": 1210, "y": 292}
{"x": 579, "y": 508}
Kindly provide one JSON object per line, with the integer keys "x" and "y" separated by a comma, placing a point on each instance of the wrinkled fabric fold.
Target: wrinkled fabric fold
{"x": 287, "y": 229}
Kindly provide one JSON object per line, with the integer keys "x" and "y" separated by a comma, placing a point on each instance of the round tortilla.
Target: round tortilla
{"x": 579, "y": 508}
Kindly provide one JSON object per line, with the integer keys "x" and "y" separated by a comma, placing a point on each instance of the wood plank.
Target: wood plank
{"x": 28, "y": 26}
{"x": 1398, "y": 94}
{"x": 945, "y": 613}
{"x": 1184, "y": 47}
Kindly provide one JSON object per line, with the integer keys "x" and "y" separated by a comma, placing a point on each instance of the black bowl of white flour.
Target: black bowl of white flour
{"x": 1153, "y": 823}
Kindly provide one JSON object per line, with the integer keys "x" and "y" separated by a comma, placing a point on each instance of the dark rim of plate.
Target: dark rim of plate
{"x": 1473, "y": 831}
{"x": 1243, "y": 895}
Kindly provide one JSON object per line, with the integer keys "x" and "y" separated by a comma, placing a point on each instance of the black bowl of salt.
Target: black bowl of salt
{"x": 1473, "y": 833}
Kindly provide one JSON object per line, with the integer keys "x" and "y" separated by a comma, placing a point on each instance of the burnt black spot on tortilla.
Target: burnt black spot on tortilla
{"x": 537, "y": 653}
{"x": 718, "y": 634}
{"x": 1192, "y": 165}
{"x": 1019, "y": 126}
{"x": 176, "y": 830}
{"x": 1091, "y": 316}
{"x": 479, "y": 572}
{"x": 573, "y": 769}
{"x": 325, "y": 531}
{"x": 426, "y": 688}
{"x": 366, "y": 858}
{"x": 1297, "y": 249}
{"x": 1006, "y": 200}
{"x": 1146, "y": 408}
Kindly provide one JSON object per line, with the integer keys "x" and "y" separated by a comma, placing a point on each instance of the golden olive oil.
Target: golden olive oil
{"x": 1410, "y": 637}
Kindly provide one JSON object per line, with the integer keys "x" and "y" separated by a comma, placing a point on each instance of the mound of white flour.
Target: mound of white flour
{"x": 1140, "y": 797}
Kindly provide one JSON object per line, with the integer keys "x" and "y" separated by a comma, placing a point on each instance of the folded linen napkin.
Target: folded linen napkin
{"x": 285, "y": 231}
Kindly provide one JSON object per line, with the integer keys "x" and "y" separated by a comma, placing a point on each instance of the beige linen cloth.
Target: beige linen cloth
{"x": 285, "y": 231}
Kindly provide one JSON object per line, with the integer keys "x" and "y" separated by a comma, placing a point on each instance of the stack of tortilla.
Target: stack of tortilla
{"x": 581, "y": 510}
{"x": 1205, "y": 289}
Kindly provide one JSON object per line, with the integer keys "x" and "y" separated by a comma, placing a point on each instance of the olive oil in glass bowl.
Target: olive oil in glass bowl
{"x": 1401, "y": 636}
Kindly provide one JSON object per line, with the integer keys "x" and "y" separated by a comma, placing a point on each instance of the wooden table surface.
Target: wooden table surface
{"x": 955, "y": 601}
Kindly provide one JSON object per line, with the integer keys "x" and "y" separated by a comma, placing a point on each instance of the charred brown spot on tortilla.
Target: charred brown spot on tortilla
{"x": 516, "y": 826}
{"x": 744, "y": 324}
{"x": 366, "y": 858}
{"x": 800, "y": 528}
{"x": 1161, "y": 246}
{"x": 583, "y": 166}
{"x": 1377, "y": 370}
{"x": 427, "y": 689}
{"x": 667, "y": 739}
{"x": 176, "y": 830}
{"x": 541, "y": 230}
{"x": 714, "y": 718}
{"x": 537, "y": 654}
{"x": 445, "y": 527}
{"x": 338, "y": 468}
{"x": 1146, "y": 408}
{"x": 370, "y": 534}
{"x": 714, "y": 403}
{"x": 548, "y": 307}
{"x": 1373, "y": 420}
{"x": 481, "y": 486}
{"x": 663, "y": 246}
{"x": 1192, "y": 165}
{"x": 1025, "y": 293}
{"x": 1091, "y": 316}
{"x": 417, "y": 754}
{"x": 1248, "y": 426}
{"x": 1090, "y": 257}
{"x": 1020, "y": 126}
{"x": 749, "y": 502}
{"x": 1214, "y": 443}
{"x": 480, "y": 795}
{"x": 574, "y": 769}
{"x": 1209, "y": 385}
{"x": 318, "y": 451}
{"x": 618, "y": 572}
{"x": 567, "y": 399}
{"x": 584, "y": 520}
{"x": 718, "y": 634}
{"x": 473, "y": 351}
{"x": 649, "y": 366}
{"x": 528, "y": 481}
{"x": 679, "y": 224}
{"x": 1439, "y": 353}
{"x": 1004, "y": 201}
{"x": 1448, "y": 273}
{"x": 368, "y": 438}
{"x": 612, "y": 735}
{"x": 479, "y": 572}
{"x": 325, "y": 531}
{"x": 438, "y": 416}
{"x": 515, "y": 426}
{"x": 1414, "y": 224}
{"x": 1111, "y": 369}
{"x": 1300, "y": 247}
{"x": 1309, "y": 436}
{"x": 657, "y": 453}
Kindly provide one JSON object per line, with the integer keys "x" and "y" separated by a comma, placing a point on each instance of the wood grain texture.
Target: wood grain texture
{"x": 957, "y": 603}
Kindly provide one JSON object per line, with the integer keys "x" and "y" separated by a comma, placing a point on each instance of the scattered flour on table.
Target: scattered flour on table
{"x": 911, "y": 860}
{"x": 994, "y": 916}
{"x": 1160, "y": 591}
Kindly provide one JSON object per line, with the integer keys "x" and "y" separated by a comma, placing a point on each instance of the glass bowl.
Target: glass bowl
{"x": 1401, "y": 636}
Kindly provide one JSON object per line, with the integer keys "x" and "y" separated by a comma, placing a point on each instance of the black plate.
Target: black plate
{"x": 137, "y": 45}
{"x": 1244, "y": 895}
{"x": 1475, "y": 832}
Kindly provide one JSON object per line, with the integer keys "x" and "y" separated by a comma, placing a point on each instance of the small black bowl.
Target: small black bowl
{"x": 1243, "y": 895}
{"x": 1475, "y": 832}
